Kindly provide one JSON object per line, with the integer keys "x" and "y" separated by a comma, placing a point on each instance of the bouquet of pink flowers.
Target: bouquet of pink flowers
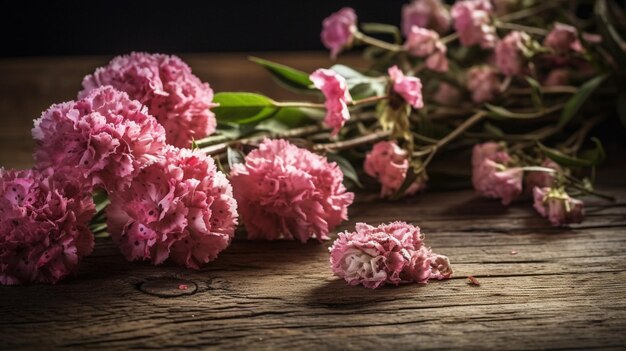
{"x": 150, "y": 155}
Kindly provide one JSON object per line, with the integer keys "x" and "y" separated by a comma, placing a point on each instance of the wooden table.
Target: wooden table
{"x": 564, "y": 288}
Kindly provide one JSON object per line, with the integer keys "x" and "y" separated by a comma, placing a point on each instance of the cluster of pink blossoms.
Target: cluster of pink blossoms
{"x": 391, "y": 253}
{"x": 422, "y": 42}
{"x": 104, "y": 138}
{"x": 335, "y": 90}
{"x": 287, "y": 192}
{"x": 509, "y": 53}
{"x": 338, "y": 30}
{"x": 44, "y": 221}
{"x": 472, "y": 22}
{"x": 410, "y": 88}
{"x": 388, "y": 163}
{"x": 178, "y": 99}
{"x": 484, "y": 83}
{"x": 430, "y": 14}
{"x": 180, "y": 207}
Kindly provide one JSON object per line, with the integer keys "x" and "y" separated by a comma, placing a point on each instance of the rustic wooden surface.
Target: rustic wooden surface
{"x": 564, "y": 289}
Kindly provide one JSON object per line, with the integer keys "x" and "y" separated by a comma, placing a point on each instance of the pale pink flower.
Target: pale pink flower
{"x": 483, "y": 83}
{"x": 410, "y": 88}
{"x": 563, "y": 38}
{"x": 472, "y": 22}
{"x": 287, "y": 192}
{"x": 492, "y": 177}
{"x": 335, "y": 90}
{"x": 557, "y": 76}
{"x": 438, "y": 61}
{"x": 542, "y": 179}
{"x": 338, "y": 29}
{"x": 180, "y": 207}
{"x": 509, "y": 55}
{"x": 389, "y": 164}
{"x": 447, "y": 94}
{"x": 558, "y": 206}
{"x": 421, "y": 42}
{"x": 430, "y": 14}
{"x": 388, "y": 254}
{"x": 179, "y": 100}
{"x": 44, "y": 226}
{"x": 104, "y": 138}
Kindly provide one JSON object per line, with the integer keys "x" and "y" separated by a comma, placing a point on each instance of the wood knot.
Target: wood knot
{"x": 168, "y": 287}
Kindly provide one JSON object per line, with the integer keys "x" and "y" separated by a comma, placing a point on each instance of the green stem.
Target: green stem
{"x": 514, "y": 26}
{"x": 450, "y": 38}
{"x": 377, "y": 43}
{"x": 364, "y": 101}
{"x": 531, "y": 11}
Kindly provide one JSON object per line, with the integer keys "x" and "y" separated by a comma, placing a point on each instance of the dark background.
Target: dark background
{"x": 115, "y": 27}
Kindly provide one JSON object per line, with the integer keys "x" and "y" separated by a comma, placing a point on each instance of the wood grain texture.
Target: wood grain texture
{"x": 563, "y": 289}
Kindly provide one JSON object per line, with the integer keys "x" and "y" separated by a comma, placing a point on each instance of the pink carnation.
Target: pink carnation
{"x": 447, "y": 95}
{"x": 165, "y": 84}
{"x": 388, "y": 254}
{"x": 563, "y": 38}
{"x": 426, "y": 14}
{"x": 44, "y": 226}
{"x": 180, "y": 207}
{"x": 388, "y": 163}
{"x": 287, "y": 192}
{"x": 423, "y": 42}
{"x": 438, "y": 61}
{"x": 558, "y": 206}
{"x": 337, "y": 30}
{"x": 105, "y": 138}
{"x": 335, "y": 90}
{"x": 410, "y": 88}
{"x": 472, "y": 21}
{"x": 492, "y": 177}
{"x": 483, "y": 83}
{"x": 509, "y": 56}
{"x": 542, "y": 179}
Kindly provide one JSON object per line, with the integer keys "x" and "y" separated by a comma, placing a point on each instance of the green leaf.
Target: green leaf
{"x": 621, "y": 107}
{"x": 360, "y": 85}
{"x": 499, "y": 112}
{"x": 589, "y": 158}
{"x": 288, "y": 76}
{"x": 493, "y": 130}
{"x": 574, "y": 104}
{"x": 536, "y": 93}
{"x": 194, "y": 145}
{"x": 381, "y": 28}
{"x": 346, "y": 167}
{"x": 234, "y": 157}
{"x": 243, "y": 108}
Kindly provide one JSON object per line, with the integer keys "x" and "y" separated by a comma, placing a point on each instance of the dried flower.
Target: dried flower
{"x": 483, "y": 83}
{"x": 421, "y": 42}
{"x": 44, "y": 221}
{"x": 388, "y": 254}
{"x": 509, "y": 53}
{"x": 563, "y": 38}
{"x": 472, "y": 22}
{"x": 335, "y": 90}
{"x": 104, "y": 138}
{"x": 447, "y": 95}
{"x": 338, "y": 29}
{"x": 388, "y": 163}
{"x": 430, "y": 14}
{"x": 438, "y": 61}
{"x": 287, "y": 192}
{"x": 178, "y": 99}
{"x": 492, "y": 177}
{"x": 410, "y": 88}
{"x": 542, "y": 179}
{"x": 558, "y": 206}
{"x": 180, "y": 207}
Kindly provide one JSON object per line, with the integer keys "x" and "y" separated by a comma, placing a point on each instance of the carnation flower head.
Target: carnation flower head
{"x": 563, "y": 38}
{"x": 509, "y": 53}
{"x": 472, "y": 22}
{"x": 337, "y": 30}
{"x": 179, "y": 100}
{"x": 483, "y": 83}
{"x": 410, "y": 88}
{"x": 422, "y": 42}
{"x": 335, "y": 90}
{"x": 389, "y": 164}
{"x": 44, "y": 226}
{"x": 180, "y": 208}
{"x": 447, "y": 94}
{"x": 438, "y": 61}
{"x": 430, "y": 14}
{"x": 388, "y": 254}
{"x": 492, "y": 176}
{"x": 287, "y": 192}
{"x": 103, "y": 138}
{"x": 558, "y": 206}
